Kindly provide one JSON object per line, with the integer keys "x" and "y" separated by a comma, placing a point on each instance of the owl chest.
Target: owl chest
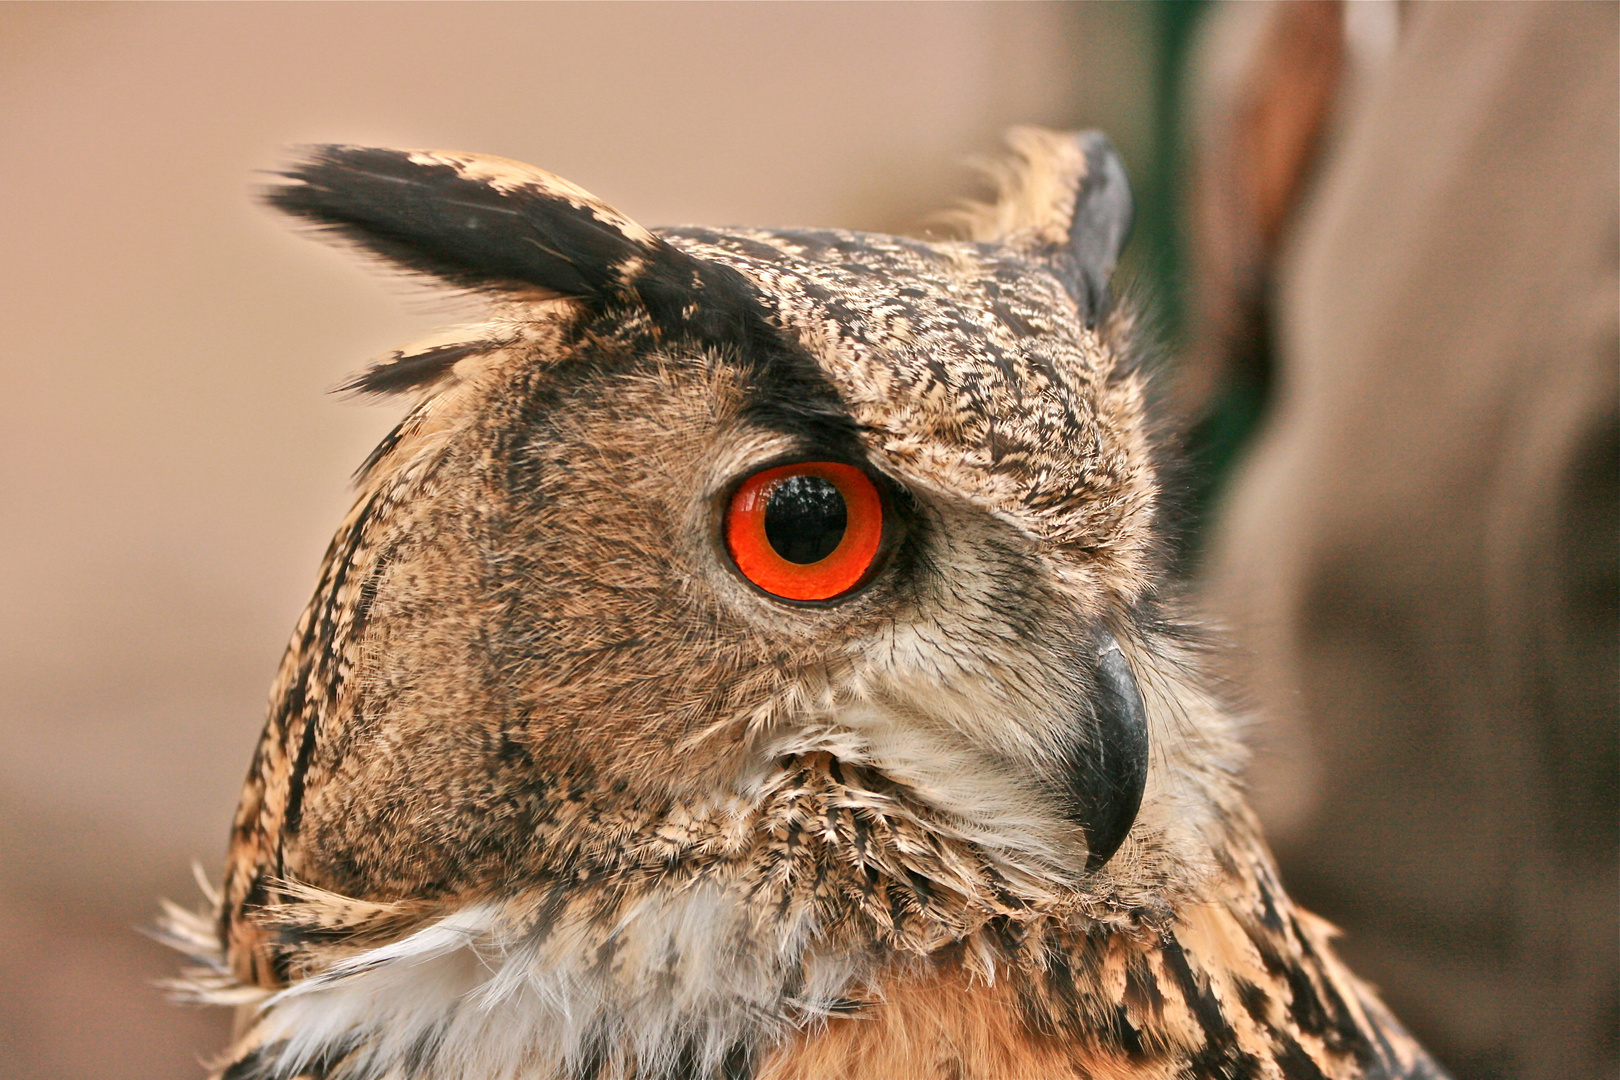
{"x": 942, "y": 1024}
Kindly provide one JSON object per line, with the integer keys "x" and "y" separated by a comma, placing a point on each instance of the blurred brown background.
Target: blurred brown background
{"x": 173, "y": 467}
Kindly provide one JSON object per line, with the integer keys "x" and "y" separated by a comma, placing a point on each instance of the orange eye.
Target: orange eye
{"x": 808, "y": 531}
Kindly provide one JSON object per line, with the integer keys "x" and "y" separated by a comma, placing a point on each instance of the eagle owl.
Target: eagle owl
{"x": 750, "y": 657}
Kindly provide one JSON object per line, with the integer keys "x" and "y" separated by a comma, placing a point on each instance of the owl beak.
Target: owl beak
{"x": 1108, "y": 770}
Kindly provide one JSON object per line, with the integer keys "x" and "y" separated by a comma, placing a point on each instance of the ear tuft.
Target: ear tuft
{"x": 471, "y": 220}
{"x": 1065, "y": 198}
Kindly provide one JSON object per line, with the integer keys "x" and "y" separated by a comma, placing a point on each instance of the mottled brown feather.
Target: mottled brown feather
{"x": 548, "y": 791}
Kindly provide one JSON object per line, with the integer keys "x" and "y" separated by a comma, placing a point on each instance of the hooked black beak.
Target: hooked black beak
{"x": 1108, "y": 767}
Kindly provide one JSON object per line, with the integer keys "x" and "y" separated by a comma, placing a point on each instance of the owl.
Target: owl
{"x": 752, "y": 657}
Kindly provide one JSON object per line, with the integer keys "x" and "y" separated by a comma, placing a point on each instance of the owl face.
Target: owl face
{"x": 695, "y": 503}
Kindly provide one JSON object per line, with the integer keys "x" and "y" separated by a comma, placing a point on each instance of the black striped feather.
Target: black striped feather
{"x": 474, "y": 221}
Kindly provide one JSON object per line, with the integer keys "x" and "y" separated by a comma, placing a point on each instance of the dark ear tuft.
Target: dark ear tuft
{"x": 1100, "y": 223}
{"x": 1063, "y": 198}
{"x": 474, "y": 221}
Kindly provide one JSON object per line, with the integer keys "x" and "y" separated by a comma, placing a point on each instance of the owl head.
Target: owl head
{"x": 693, "y": 505}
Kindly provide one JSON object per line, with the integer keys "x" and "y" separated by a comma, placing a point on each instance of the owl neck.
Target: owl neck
{"x": 802, "y": 939}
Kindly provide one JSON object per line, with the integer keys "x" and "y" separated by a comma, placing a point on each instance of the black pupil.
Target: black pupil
{"x": 805, "y": 518}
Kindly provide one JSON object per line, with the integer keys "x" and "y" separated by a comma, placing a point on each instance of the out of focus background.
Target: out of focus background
{"x": 1378, "y": 241}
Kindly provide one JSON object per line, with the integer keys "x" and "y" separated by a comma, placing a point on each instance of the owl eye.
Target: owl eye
{"x": 808, "y": 531}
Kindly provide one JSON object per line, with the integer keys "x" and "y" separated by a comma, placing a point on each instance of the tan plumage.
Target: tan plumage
{"x": 549, "y": 790}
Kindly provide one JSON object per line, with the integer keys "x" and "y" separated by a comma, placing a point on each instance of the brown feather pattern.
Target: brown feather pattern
{"x": 547, "y": 791}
